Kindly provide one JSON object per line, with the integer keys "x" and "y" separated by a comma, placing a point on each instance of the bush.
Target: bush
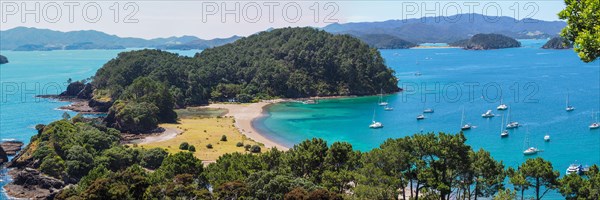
{"x": 247, "y": 147}
{"x": 224, "y": 138}
{"x": 192, "y": 148}
{"x": 255, "y": 149}
{"x": 209, "y": 146}
{"x": 239, "y": 144}
{"x": 184, "y": 146}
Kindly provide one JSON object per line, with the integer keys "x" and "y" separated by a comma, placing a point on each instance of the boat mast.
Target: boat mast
{"x": 462, "y": 117}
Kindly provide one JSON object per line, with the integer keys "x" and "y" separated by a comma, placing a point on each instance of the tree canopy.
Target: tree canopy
{"x": 583, "y": 27}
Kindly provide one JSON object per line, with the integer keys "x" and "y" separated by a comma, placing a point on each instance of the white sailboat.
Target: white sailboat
{"x": 547, "y": 138}
{"x": 511, "y": 124}
{"x": 464, "y": 126}
{"x": 375, "y": 124}
{"x": 487, "y": 114}
{"x": 502, "y": 106}
{"x": 381, "y": 102}
{"x": 569, "y": 108}
{"x": 387, "y": 108}
{"x": 427, "y": 110}
{"x": 530, "y": 149}
{"x": 503, "y": 132}
{"x": 420, "y": 117}
{"x": 595, "y": 124}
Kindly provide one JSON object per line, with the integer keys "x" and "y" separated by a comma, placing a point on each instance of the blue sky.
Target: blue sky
{"x": 211, "y": 19}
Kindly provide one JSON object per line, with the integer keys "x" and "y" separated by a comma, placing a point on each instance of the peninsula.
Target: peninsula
{"x": 486, "y": 42}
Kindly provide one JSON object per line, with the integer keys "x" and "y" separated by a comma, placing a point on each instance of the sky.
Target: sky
{"x": 220, "y": 19}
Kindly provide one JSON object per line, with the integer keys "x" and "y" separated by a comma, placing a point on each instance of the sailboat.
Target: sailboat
{"x": 569, "y": 108}
{"x": 427, "y": 110}
{"x": 375, "y": 124}
{"x": 387, "y": 108}
{"x": 381, "y": 102}
{"x": 420, "y": 117}
{"x": 502, "y": 106}
{"x": 595, "y": 124}
{"x": 530, "y": 149}
{"x": 547, "y": 138}
{"x": 464, "y": 126}
{"x": 487, "y": 114}
{"x": 511, "y": 124}
{"x": 503, "y": 132}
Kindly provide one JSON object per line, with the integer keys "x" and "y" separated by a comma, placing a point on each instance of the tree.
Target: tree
{"x": 573, "y": 186}
{"x": 181, "y": 163}
{"x": 255, "y": 149}
{"x": 583, "y": 27}
{"x": 539, "y": 173}
{"x": 488, "y": 174}
{"x": 519, "y": 181}
{"x": 152, "y": 158}
{"x": 232, "y": 190}
{"x": 224, "y": 138}
{"x": 192, "y": 148}
{"x": 184, "y": 146}
{"x": 307, "y": 158}
{"x": 505, "y": 194}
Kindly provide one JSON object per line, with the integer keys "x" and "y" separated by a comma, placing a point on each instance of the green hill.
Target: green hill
{"x": 557, "y": 43}
{"x": 487, "y": 41}
{"x": 3, "y": 59}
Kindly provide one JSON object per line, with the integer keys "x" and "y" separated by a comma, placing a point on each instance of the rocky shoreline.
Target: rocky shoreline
{"x": 31, "y": 184}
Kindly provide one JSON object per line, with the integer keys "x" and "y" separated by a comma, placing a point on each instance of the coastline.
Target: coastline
{"x": 245, "y": 114}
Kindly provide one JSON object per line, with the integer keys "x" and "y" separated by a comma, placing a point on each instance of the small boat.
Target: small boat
{"x": 595, "y": 124}
{"x": 381, "y": 102}
{"x": 418, "y": 74}
{"x": 466, "y": 126}
{"x": 569, "y": 108}
{"x": 531, "y": 151}
{"x": 487, "y": 114}
{"x": 502, "y": 106}
{"x": 547, "y": 138}
{"x": 310, "y": 101}
{"x": 375, "y": 124}
{"x": 575, "y": 169}
{"x": 428, "y": 110}
{"x": 386, "y": 108}
{"x": 420, "y": 117}
{"x": 513, "y": 124}
{"x": 503, "y": 132}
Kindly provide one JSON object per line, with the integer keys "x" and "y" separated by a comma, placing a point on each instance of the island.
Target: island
{"x": 486, "y": 42}
{"x": 3, "y": 59}
{"x": 385, "y": 41}
{"x": 558, "y": 43}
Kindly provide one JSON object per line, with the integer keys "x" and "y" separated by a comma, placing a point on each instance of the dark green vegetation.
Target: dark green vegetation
{"x": 33, "y": 39}
{"x": 146, "y": 85}
{"x": 558, "y": 43}
{"x": 487, "y": 41}
{"x": 452, "y": 28}
{"x": 385, "y": 41}
{"x": 432, "y": 166}
{"x": 583, "y": 27}
{"x": 3, "y": 59}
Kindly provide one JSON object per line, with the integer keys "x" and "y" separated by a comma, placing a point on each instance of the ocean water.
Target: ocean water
{"x": 31, "y": 73}
{"x": 534, "y": 83}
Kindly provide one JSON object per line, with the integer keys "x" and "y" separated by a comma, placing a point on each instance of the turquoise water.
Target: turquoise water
{"x": 42, "y": 72}
{"x": 534, "y": 83}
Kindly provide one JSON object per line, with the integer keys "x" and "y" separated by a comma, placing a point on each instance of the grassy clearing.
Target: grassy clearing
{"x": 200, "y": 132}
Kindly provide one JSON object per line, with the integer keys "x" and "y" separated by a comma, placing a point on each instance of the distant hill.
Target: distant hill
{"x": 444, "y": 30}
{"x": 557, "y": 43}
{"x": 30, "y": 39}
{"x": 385, "y": 41}
{"x": 3, "y": 59}
{"x": 201, "y": 44}
{"x": 487, "y": 41}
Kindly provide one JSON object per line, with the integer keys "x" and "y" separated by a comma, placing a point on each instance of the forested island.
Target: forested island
{"x": 385, "y": 41}
{"x": 3, "y": 59}
{"x": 140, "y": 89}
{"x": 558, "y": 43}
{"x": 487, "y": 41}
{"x": 80, "y": 158}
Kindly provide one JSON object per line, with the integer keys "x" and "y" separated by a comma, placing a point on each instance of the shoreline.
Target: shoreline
{"x": 245, "y": 114}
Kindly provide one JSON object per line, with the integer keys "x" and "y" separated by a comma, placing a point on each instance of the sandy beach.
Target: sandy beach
{"x": 244, "y": 114}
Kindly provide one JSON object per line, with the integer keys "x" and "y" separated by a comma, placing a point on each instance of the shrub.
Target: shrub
{"x": 184, "y": 146}
{"x": 224, "y": 138}
{"x": 255, "y": 149}
{"x": 209, "y": 146}
{"x": 239, "y": 144}
{"x": 247, "y": 147}
{"x": 192, "y": 148}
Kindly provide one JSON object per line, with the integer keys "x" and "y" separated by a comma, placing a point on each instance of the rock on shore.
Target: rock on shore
{"x": 32, "y": 184}
{"x": 11, "y": 147}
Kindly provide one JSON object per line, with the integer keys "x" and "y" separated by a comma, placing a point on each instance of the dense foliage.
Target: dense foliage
{"x": 290, "y": 62}
{"x": 558, "y": 43}
{"x": 487, "y": 41}
{"x": 3, "y": 59}
{"x": 583, "y": 27}
{"x": 429, "y": 166}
